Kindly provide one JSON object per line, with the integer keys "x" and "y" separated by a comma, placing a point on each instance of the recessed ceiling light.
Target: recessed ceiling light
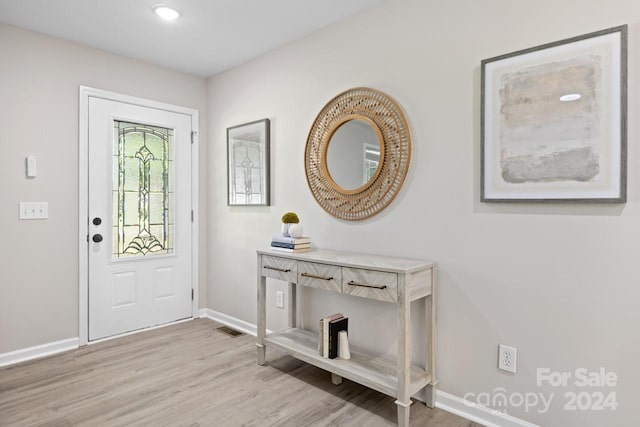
{"x": 570, "y": 97}
{"x": 165, "y": 12}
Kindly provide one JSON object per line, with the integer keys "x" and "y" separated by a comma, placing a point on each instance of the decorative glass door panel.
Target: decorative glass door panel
{"x": 143, "y": 209}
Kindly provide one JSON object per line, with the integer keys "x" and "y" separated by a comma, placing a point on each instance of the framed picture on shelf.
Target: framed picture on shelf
{"x": 553, "y": 121}
{"x": 248, "y": 164}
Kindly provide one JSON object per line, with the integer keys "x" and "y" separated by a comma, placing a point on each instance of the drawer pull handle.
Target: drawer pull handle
{"x": 364, "y": 285}
{"x": 268, "y": 267}
{"x": 315, "y": 276}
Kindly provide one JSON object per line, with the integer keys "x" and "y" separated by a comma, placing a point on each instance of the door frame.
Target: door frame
{"x": 83, "y": 195}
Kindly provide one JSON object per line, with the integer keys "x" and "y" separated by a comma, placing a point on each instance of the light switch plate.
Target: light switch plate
{"x": 32, "y": 169}
{"x": 34, "y": 210}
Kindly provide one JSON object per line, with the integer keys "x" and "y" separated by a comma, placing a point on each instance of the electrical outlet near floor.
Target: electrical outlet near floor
{"x": 279, "y": 299}
{"x": 507, "y": 358}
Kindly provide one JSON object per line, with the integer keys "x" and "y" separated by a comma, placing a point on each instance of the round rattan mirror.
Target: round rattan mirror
{"x": 381, "y": 161}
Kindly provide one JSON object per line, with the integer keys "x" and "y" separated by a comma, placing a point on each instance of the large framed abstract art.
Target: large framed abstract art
{"x": 553, "y": 121}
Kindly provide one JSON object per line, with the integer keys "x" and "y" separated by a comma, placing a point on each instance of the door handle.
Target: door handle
{"x": 97, "y": 238}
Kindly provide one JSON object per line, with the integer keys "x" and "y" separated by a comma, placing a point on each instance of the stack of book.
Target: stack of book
{"x": 290, "y": 244}
{"x": 329, "y": 328}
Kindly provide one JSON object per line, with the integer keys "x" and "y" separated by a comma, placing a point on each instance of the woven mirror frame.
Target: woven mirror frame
{"x": 378, "y": 110}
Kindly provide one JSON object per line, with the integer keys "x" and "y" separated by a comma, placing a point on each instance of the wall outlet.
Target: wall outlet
{"x": 507, "y": 358}
{"x": 280, "y": 299}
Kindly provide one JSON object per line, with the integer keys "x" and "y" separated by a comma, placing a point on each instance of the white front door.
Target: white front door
{"x": 139, "y": 217}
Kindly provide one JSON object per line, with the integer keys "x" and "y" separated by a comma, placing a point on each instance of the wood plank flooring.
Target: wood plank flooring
{"x": 190, "y": 375}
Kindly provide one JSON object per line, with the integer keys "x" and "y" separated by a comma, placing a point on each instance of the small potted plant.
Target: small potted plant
{"x": 288, "y": 219}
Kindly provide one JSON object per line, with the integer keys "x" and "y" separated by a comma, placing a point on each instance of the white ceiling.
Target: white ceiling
{"x": 210, "y": 36}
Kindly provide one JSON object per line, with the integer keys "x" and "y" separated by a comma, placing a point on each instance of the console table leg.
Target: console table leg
{"x": 430, "y": 363}
{"x": 293, "y": 309}
{"x": 430, "y": 392}
{"x": 261, "y": 354}
{"x": 336, "y": 379}
{"x": 262, "y": 316}
{"x": 404, "y": 354}
{"x": 403, "y": 413}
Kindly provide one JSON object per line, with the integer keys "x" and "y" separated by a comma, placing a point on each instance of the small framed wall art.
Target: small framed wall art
{"x": 553, "y": 121}
{"x": 248, "y": 164}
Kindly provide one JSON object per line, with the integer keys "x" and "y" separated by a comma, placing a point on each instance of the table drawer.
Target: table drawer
{"x": 321, "y": 276}
{"x": 371, "y": 284}
{"x": 279, "y": 268}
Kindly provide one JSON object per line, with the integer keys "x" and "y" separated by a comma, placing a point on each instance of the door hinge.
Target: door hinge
{"x": 192, "y": 216}
{"x": 191, "y": 294}
{"x": 193, "y": 136}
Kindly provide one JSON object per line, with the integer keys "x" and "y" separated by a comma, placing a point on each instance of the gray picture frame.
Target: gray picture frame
{"x": 248, "y": 164}
{"x": 554, "y": 122}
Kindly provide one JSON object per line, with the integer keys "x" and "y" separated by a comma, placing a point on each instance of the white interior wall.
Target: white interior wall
{"x": 39, "y": 116}
{"x": 556, "y": 281}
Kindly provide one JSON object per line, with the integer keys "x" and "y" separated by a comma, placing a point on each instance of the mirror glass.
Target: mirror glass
{"x": 353, "y": 154}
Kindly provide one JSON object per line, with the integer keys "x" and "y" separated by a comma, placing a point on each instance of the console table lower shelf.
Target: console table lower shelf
{"x": 378, "y": 373}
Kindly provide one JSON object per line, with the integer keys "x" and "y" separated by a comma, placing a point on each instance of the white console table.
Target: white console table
{"x": 394, "y": 280}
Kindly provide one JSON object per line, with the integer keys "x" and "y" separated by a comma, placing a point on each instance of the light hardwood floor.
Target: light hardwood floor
{"x": 190, "y": 374}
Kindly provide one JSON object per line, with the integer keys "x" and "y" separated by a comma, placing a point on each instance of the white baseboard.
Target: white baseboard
{"x": 477, "y": 413}
{"x": 445, "y": 401}
{"x": 38, "y": 351}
